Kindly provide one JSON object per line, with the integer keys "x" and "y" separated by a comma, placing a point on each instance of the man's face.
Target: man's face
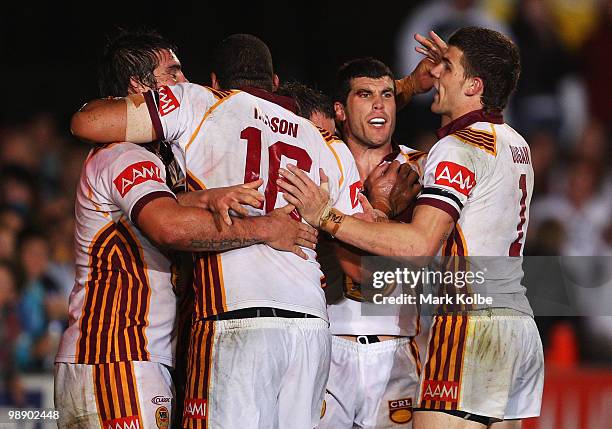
{"x": 370, "y": 111}
{"x": 168, "y": 70}
{"x": 449, "y": 84}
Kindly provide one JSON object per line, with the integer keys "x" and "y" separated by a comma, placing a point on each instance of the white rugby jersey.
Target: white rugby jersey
{"x": 122, "y": 306}
{"x": 233, "y": 137}
{"x": 480, "y": 173}
{"x": 346, "y": 311}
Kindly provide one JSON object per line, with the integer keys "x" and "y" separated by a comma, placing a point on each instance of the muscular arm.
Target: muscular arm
{"x": 421, "y": 239}
{"x": 112, "y": 120}
{"x": 170, "y": 225}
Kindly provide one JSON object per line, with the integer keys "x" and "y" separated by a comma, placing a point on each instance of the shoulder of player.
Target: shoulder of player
{"x": 113, "y": 156}
{"x": 193, "y": 91}
{"x": 478, "y": 137}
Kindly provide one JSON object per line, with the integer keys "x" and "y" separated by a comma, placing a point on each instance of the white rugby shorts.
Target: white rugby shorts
{"x": 488, "y": 362}
{"x": 136, "y": 394}
{"x": 264, "y": 373}
{"x": 371, "y": 385}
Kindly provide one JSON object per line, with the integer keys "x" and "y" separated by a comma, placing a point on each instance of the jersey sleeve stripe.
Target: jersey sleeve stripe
{"x": 443, "y": 193}
{"x": 450, "y": 209}
{"x": 152, "y": 100}
{"x": 146, "y": 199}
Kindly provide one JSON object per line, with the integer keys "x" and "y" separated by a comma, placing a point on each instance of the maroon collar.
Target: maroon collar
{"x": 395, "y": 151}
{"x": 286, "y": 102}
{"x": 467, "y": 120}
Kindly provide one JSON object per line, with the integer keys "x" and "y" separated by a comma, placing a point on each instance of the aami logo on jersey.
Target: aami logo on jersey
{"x": 447, "y": 391}
{"x": 136, "y": 174}
{"x": 195, "y": 408}
{"x": 455, "y": 176}
{"x": 167, "y": 101}
{"x": 355, "y": 189}
{"x": 132, "y": 422}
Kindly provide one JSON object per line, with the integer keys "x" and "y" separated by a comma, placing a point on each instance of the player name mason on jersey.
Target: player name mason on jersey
{"x": 120, "y": 275}
{"x": 277, "y": 125}
{"x": 482, "y": 177}
{"x": 233, "y": 137}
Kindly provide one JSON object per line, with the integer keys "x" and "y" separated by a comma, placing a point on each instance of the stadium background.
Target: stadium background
{"x": 563, "y": 107}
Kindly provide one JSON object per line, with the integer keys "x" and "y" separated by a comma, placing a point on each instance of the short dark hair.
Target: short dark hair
{"x": 360, "y": 67}
{"x": 494, "y": 58}
{"x": 243, "y": 60}
{"x": 308, "y": 100}
{"x": 130, "y": 54}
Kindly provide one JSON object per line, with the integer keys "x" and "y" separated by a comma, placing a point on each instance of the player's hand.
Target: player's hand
{"x": 379, "y": 183}
{"x": 370, "y": 214}
{"x": 433, "y": 48}
{"x": 289, "y": 234}
{"x": 221, "y": 200}
{"x": 312, "y": 201}
{"x": 406, "y": 188}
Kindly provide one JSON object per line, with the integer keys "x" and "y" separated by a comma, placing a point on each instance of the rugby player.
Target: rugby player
{"x": 260, "y": 344}
{"x": 112, "y": 365}
{"x": 484, "y": 365}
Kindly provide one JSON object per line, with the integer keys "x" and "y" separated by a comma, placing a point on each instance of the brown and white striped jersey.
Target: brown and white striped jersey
{"x": 122, "y": 306}
{"x": 480, "y": 173}
{"x": 233, "y": 137}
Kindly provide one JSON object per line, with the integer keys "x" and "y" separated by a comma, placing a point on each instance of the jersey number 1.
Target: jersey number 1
{"x": 252, "y": 169}
{"x": 515, "y": 247}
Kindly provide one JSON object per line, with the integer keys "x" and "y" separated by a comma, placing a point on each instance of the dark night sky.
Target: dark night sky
{"x": 50, "y": 50}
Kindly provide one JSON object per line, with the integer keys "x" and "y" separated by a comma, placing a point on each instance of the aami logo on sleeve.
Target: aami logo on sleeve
{"x": 195, "y": 409}
{"x": 456, "y": 176}
{"x": 132, "y": 422}
{"x": 167, "y": 101}
{"x": 355, "y": 189}
{"x": 136, "y": 174}
{"x": 447, "y": 391}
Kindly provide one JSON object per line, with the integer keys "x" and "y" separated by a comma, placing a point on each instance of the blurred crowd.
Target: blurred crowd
{"x": 563, "y": 107}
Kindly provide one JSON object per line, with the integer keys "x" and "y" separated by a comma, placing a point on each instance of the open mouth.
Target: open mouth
{"x": 377, "y": 122}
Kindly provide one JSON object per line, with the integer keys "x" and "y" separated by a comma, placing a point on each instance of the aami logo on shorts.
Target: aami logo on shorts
{"x": 440, "y": 391}
{"x": 132, "y": 422}
{"x": 455, "y": 176}
{"x": 195, "y": 408}
{"x": 400, "y": 410}
{"x": 355, "y": 189}
{"x": 167, "y": 101}
{"x": 136, "y": 174}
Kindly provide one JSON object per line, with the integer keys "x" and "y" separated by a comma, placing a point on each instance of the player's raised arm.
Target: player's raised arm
{"x": 420, "y": 80}
{"x": 112, "y": 120}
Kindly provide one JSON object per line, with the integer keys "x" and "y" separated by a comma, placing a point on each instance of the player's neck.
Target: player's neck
{"x": 368, "y": 157}
{"x": 461, "y": 111}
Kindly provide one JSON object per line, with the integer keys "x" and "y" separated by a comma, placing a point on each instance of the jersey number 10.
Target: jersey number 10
{"x": 252, "y": 169}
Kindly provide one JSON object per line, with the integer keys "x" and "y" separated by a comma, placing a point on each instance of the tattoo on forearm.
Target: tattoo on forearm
{"x": 225, "y": 244}
{"x": 444, "y": 238}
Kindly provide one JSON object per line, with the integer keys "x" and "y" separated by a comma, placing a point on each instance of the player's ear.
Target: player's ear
{"x": 275, "y": 82}
{"x": 340, "y": 113}
{"x": 475, "y": 86}
{"x": 214, "y": 82}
